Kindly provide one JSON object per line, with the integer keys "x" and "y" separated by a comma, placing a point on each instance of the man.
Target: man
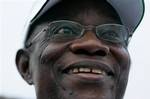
{"x": 77, "y": 49}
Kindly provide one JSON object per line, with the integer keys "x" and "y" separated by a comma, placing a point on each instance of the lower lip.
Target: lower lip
{"x": 88, "y": 76}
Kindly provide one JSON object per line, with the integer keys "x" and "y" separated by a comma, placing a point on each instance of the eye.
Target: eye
{"x": 65, "y": 31}
{"x": 111, "y": 36}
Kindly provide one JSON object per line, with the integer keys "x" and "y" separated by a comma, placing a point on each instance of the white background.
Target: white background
{"x": 13, "y": 15}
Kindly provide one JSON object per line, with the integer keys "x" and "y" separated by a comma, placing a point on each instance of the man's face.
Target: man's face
{"x": 82, "y": 68}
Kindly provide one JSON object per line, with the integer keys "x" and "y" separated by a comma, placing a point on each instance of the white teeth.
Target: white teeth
{"x": 81, "y": 69}
{"x": 87, "y": 70}
{"x": 84, "y": 70}
{"x": 75, "y": 70}
{"x": 97, "y": 71}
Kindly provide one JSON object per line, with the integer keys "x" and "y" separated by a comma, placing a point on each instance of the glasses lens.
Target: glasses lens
{"x": 113, "y": 33}
{"x": 64, "y": 30}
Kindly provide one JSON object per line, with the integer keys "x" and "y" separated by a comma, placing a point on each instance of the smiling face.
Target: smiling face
{"x": 82, "y": 68}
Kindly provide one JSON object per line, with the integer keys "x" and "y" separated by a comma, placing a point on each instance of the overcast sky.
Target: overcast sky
{"x": 13, "y": 17}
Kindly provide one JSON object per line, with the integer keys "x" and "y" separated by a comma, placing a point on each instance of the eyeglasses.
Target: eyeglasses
{"x": 65, "y": 30}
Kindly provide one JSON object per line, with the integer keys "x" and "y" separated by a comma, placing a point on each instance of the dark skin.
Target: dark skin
{"x": 44, "y": 63}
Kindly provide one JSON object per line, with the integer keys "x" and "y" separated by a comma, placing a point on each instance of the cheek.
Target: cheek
{"x": 43, "y": 58}
{"x": 52, "y": 52}
{"x": 122, "y": 56}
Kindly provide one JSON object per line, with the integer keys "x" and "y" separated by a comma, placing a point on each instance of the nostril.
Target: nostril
{"x": 94, "y": 53}
{"x": 82, "y": 51}
{"x": 100, "y": 53}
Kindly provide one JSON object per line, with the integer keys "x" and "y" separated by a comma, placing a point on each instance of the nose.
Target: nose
{"x": 89, "y": 44}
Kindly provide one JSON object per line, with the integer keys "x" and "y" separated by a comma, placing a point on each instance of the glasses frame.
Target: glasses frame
{"x": 84, "y": 28}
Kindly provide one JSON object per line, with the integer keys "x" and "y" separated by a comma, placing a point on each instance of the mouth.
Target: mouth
{"x": 89, "y": 70}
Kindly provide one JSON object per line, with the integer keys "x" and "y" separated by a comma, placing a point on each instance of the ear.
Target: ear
{"x": 22, "y": 63}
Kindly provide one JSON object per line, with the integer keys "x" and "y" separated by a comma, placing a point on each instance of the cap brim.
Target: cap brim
{"x": 130, "y": 11}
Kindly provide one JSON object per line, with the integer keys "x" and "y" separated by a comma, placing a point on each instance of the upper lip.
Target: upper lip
{"x": 90, "y": 64}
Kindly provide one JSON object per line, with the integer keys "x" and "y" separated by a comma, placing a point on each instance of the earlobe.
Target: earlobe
{"x": 22, "y": 63}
